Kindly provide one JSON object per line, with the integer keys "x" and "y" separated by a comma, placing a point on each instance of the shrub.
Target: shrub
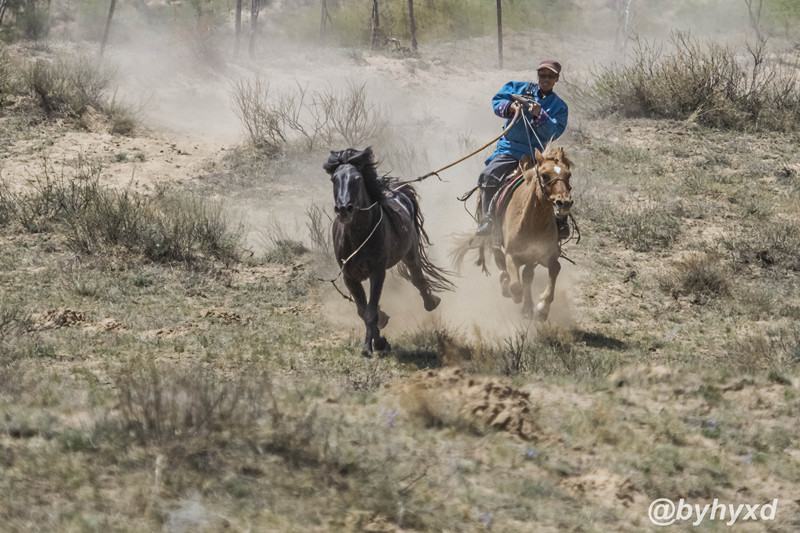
{"x": 273, "y": 120}
{"x": 250, "y": 100}
{"x": 642, "y": 229}
{"x": 551, "y": 351}
{"x": 7, "y": 76}
{"x": 777, "y": 349}
{"x": 704, "y": 83}
{"x": 770, "y": 245}
{"x": 168, "y": 226}
{"x": 162, "y": 404}
{"x": 699, "y": 276}
{"x": 50, "y": 197}
{"x": 69, "y": 85}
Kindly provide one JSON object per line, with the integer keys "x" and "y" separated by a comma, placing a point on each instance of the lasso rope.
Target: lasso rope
{"x": 344, "y": 262}
{"x": 436, "y": 172}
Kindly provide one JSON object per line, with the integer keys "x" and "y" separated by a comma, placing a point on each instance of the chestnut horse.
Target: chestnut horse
{"x": 529, "y": 232}
{"x": 378, "y": 224}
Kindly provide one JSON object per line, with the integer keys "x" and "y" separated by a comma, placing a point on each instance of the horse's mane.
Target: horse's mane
{"x": 551, "y": 152}
{"x": 378, "y": 187}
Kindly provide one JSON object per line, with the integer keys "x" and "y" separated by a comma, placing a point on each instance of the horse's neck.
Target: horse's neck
{"x": 363, "y": 223}
{"x": 537, "y": 205}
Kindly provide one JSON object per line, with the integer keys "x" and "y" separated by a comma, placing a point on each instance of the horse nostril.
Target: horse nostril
{"x": 559, "y": 203}
{"x": 336, "y": 209}
{"x": 350, "y": 208}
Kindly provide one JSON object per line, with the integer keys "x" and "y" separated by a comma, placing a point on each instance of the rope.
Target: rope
{"x": 344, "y": 262}
{"x": 436, "y": 172}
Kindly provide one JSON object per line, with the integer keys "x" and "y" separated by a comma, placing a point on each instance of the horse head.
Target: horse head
{"x": 553, "y": 172}
{"x": 348, "y": 169}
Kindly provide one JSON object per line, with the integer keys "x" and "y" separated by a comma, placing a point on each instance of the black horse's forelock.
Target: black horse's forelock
{"x": 364, "y": 162}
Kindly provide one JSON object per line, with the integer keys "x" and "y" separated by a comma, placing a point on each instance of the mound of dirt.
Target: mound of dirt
{"x": 450, "y": 397}
{"x": 221, "y": 315}
{"x": 60, "y": 317}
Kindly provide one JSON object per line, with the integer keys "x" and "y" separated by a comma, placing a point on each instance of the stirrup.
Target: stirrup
{"x": 485, "y": 229}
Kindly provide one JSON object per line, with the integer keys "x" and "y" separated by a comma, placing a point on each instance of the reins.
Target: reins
{"x": 344, "y": 261}
{"x": 436, "y": 172}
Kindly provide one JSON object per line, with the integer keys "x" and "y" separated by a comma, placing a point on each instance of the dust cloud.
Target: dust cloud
{"x": 438, "y": 109}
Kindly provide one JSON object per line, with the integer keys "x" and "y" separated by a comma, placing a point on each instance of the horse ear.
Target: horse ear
{"x": 539, "y": 157}
{"x": 560, "y": 153}
{"x": 361, "y": 158}
{"x": 526, "y": 163}
{"x": 333, "y": 161}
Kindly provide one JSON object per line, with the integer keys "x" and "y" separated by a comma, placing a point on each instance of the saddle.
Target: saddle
{"x": 502, "y": 197}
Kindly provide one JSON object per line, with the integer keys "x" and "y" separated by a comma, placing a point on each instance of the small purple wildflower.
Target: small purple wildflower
{"x": 486, "y": 518}
{"x": 390, "y": 415}
{"x": 530, "y": 454}
{"x": 711, "y": 422}
{"x": 747, "y": 459}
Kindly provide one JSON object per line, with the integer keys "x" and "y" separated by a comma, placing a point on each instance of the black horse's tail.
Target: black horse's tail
{"x": 435, "y": 277}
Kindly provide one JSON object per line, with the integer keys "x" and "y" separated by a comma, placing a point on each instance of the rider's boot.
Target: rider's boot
{"x": 487, "y": 222}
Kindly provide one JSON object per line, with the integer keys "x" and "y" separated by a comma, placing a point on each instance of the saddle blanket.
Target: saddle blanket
{"x": 501, "y": 198}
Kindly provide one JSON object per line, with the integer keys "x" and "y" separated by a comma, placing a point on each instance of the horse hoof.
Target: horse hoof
{"x": 366, "y": 352}
{"x": 527, "y": 315}
{"x": 539, "y": 316}
{"x": 383, "y": 319}
{"x": 381, "y": 345}
{"x": 516, "y": 293}
{"x": 505, "y": 290}
{"x": 432, "y": 303}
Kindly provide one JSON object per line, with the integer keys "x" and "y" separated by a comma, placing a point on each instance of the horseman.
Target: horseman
{"x": 542, "y": 120}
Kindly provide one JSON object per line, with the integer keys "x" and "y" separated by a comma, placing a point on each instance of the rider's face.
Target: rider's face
{"x": 547, "y": 79}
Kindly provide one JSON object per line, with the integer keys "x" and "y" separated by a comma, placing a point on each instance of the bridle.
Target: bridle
{"x": 542, "y": 184}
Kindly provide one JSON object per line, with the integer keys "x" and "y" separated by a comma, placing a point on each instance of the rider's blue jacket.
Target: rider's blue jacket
{"x": 549, "y": 125}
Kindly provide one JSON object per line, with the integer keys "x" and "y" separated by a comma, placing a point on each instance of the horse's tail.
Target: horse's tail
{"x": 465, "y": 243}
{"x": 435, "y": 277}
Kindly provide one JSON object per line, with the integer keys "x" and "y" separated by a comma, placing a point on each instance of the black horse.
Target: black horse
{"x": 378, "y": 224}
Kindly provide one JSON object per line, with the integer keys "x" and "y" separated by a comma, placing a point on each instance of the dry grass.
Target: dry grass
{"x": 703, "y": 82}
{"x": 141, "y": 393}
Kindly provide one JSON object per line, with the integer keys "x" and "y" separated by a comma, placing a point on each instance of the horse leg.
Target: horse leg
{"x": 372, "y": 314}
{"x": 515, "y": 287}
{"x": 430, "y": 300}
{"x": 543, "y": 307}
{"x": 500, "y": 261}
{"x": 360, "y": 297}
{"x": 527, "y": 297}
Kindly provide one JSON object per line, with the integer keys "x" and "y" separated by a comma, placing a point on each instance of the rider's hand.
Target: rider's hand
{"x": 512, "y": 109}
{"x": 535, "y": 108}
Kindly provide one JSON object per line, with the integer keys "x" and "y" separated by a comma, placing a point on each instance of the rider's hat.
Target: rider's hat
{"x": 550, "y": 64}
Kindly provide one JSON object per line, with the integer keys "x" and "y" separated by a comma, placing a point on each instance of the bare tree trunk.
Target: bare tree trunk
{"x": 376, "y": 22}
{"x": 500, "y": 33}
{"x": 413, "y": 25}
{"x": 108, "y": 26}
{"x": 623, "y": 24}
{"x": 238, "y": 26}
{"x": 255, "y": 7}
{"x": 325, "y": 16}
